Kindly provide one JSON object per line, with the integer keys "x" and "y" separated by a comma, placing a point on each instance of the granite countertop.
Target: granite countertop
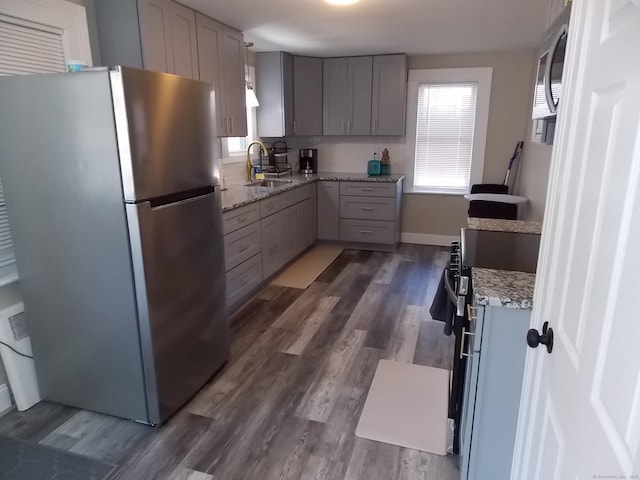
{"x": 238, "y": 195}
{"x": 501, "y": 288}
{"x": 495, "y": 224}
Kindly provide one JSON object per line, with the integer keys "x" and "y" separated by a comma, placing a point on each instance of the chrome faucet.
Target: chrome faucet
{"x": 249, "y": 165}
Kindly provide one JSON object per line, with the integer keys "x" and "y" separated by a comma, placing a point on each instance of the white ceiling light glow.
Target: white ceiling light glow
{"x": 341, "y": 2}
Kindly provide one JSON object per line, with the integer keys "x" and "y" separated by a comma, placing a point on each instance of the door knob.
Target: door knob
{"x": 534, "y": 338}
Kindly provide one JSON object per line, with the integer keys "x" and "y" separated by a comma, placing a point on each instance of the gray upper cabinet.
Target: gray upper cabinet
{"x": 184, "y": 41}
{"x": 155, "y": 35}
{"x": 221, "y": 63}
{"x": 389, "y": 95}
{"x": 307, "y": 96}
{"x": 208, "y": 35}
{"x": 347, "y": 86}
{"x": 274, "y": 89}
{"x": 164, "y": 36}
{"x": 232, "y": 103}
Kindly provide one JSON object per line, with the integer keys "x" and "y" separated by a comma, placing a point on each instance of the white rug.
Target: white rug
{"x": 407, "y": 406}
{"x": 306, "y": 269}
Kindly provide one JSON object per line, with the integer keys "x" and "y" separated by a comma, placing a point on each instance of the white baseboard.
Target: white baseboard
{"x": 428, "y": 239}
{"x": 5, "y": 399}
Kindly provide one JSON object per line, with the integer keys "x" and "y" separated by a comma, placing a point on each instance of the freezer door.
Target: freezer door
{"x": 178, "y": 261}
{"x": 166, "y": 133}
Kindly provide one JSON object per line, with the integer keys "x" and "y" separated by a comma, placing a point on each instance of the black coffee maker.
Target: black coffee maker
{"x": 308, "y": 160}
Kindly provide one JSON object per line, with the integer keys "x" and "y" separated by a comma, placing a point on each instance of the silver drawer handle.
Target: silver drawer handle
{"x": 242, "y": 219}
{"x": 244, "y": 281}
{"x": 243, "y": 248}
{"x": 368, "y": 209}
{"x": 366, "y": 189}
{"x": 366, "y": 231}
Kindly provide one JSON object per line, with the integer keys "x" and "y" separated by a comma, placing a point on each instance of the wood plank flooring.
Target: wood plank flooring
{"x": 287, "y": 403}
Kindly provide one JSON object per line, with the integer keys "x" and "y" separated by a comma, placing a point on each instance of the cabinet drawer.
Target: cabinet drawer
{"x": 240, "y": 217}
{"x": 368, "y": 189}
{"x": 367, "y": 231}
{"x": 240, "y": 245}
{"x": 281, "y": 201}
{"x": 368, "y": 208}
{"x": 243, "y": 278}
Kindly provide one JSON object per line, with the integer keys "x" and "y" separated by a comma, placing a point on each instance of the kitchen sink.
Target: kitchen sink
{"x": 269, "y": 182}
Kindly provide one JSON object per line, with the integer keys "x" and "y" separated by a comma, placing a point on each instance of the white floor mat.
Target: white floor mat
{"x": 407, "y": 405}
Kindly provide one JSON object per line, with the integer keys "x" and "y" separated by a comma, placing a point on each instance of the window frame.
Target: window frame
{"x": 480, "y": 75}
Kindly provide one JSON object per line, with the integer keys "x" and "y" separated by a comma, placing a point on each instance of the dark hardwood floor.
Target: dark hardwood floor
{"x": 287, "y": 403}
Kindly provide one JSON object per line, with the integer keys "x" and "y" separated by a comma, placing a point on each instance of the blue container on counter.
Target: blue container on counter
{"x": 374, "y": 167}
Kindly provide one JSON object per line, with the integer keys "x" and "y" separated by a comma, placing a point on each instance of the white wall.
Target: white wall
{"x": 533, "y": 174}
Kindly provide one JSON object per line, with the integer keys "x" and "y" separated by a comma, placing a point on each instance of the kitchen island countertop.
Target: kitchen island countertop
{"x": 499, "y": 225}
{"x": 502, "y": 288}
{"x": 238, "y": 195}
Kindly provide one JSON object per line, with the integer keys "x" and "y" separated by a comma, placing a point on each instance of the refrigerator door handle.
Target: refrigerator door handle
{"x": 180, "y": 202}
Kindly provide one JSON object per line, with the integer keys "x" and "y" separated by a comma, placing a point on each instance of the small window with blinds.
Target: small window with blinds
{"x": 445, "y": 125}
{"x": 25, "y": 48}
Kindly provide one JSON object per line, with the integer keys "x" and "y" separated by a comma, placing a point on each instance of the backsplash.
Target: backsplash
{"x": 349, "y": 155}
{"x": 234, "y": 173}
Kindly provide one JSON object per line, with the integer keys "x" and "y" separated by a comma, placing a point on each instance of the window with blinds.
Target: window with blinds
{"x": 446, "y": 116}
{"x": 25, "y": 48}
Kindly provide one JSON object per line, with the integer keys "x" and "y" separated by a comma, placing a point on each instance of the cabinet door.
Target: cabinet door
{"x": 335, "y": 96}
{"x": 307, "y": 96}
{"x": 389, "y": 97}
{"x": 208, "y": 35}
{"x": 329, "y": 210}
{"x": 184, "y": 40}
{"x": 233, "y": 104}
{"x": 271, "y": 232}
{"x": 289, "y": 234}
{"x": 359, "y": 95}
{"x": 303, "y": 225}
{"x": 155, "y": 35}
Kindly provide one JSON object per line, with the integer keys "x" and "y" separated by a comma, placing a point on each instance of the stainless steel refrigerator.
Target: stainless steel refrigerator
{"x": 113, "y": 197}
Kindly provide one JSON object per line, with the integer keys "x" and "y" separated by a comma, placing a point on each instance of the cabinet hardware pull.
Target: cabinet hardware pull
{"x": 243, "y": 248}
{"x": 366, "y": 189}
{"x": 242, "y": 219}
{"x": 375, "y": 126}
{"x": 368, "y": 209}
{"x": 244, "y": 281}
{"x": 465, "y": 334}
{"x": 366, "y": 231}
{"x": 343, "y": 126}
{"x": 349, "y": 125}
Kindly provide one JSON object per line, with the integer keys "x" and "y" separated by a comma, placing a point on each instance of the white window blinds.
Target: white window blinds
{"x": 25, "y": 48}
{"x": 446, "y": 116}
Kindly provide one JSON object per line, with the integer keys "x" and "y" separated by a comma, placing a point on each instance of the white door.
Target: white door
{"x": 580, "y": 416}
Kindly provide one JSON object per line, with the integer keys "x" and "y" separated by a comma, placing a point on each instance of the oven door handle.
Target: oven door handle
{"x": 451, "y": 292}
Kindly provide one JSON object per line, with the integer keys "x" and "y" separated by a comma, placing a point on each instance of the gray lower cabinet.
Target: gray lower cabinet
{"x": 496, "y": 348}
{"x": 328, "y": 210}
{"x": 270, "y": 233}
{"x": 243, "y": 279}
{"x": 370, "y": 213}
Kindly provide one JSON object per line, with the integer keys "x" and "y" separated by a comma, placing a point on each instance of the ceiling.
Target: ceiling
{"x": 312, "y": 27}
